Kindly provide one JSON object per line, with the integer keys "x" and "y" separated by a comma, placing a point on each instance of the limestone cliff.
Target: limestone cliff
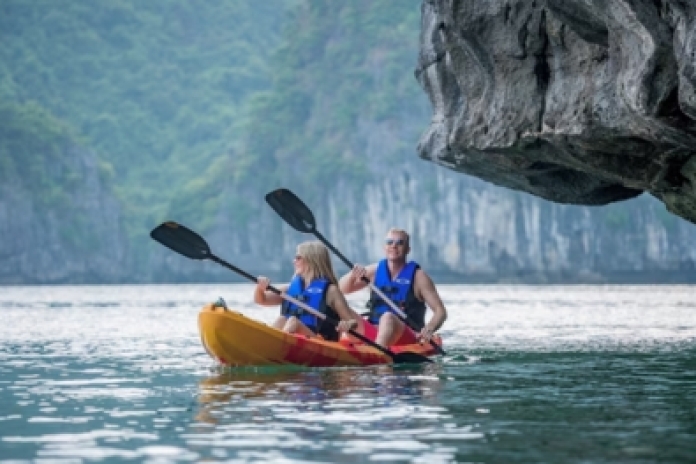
{"x": 467, "y": 230}
{"x": 576, "y": 101}
{"x": 62, "y": 226}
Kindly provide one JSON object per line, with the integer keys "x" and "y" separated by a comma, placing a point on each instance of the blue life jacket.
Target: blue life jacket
{"x": 313, "y": 296}
{"x": 399, "y": 290}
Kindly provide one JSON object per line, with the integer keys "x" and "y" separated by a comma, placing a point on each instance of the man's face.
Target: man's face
{"x": 395, "y": 246}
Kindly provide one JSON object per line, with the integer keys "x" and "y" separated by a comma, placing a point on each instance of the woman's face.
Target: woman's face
{"x": 299, "y": 263}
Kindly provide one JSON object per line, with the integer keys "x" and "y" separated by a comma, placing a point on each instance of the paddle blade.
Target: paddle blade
{"x": 410, "y": 358}
{"x": 181, "y": 239}
{"x": 291, "y": 209}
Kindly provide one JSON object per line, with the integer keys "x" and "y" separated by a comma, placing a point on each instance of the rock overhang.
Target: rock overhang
{"x": 576, "y": 101}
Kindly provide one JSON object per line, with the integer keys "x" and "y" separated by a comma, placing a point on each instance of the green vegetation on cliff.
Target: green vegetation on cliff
{"x": 43, "y": 171}
{"x": 156, "y": 87}
{"x": 182, "y": 99}
{"x": 338, "y": 69}
{"x": 34, "y": 152}
{"x": 338, "y": 73}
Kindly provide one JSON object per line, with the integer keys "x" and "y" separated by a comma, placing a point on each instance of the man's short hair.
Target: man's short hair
{"x": 402, "y": 232}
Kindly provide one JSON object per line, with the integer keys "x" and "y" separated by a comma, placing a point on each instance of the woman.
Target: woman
{"x": 315, "y": 284}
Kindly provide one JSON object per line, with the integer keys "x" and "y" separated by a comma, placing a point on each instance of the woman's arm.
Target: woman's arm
{"x": 265, "y": 297}
{"x": 335, "y": 299}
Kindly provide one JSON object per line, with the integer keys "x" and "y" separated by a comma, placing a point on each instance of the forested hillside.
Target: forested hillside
{"x": 194, "y": 110}
{"x": 156, "y": 88}
{"x": 338, "y": 71}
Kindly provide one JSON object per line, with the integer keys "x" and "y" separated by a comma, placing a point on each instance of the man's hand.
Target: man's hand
{"x": 345, "y": 326}
{"x": 358, "y": 272}
{"x": 426, "y": 334}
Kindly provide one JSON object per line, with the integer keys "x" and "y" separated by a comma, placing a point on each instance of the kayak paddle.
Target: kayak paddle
{"x": 188, "y": 243}
{"x": 300, "y": 217}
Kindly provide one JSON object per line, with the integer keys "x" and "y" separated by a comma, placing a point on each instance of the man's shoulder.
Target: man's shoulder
{"x": 420, "y": 274}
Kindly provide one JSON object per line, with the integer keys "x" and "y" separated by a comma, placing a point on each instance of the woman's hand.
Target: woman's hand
{"x": 266, "y": 297}
{"x": 358, "y": 272}
{"x": 345, "y": 326}
{"x": 262, "y": 283}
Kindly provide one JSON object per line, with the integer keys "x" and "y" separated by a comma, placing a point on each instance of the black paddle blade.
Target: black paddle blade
{"x": 181, "y": 239}
{"x": 291, "y": 209}
{"x": 410, "y": 358}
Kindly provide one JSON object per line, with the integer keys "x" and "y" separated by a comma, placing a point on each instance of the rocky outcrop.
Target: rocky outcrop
{"x": 67, "y": 230}
{"x": 582, "y": 102}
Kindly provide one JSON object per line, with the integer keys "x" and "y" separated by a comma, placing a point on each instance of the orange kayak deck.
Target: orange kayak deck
{"x": 236, "y": 340}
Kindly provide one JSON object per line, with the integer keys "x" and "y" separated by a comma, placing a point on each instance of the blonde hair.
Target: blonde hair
{"x": 316, "y": 257}
{"x": 395, "y": 230}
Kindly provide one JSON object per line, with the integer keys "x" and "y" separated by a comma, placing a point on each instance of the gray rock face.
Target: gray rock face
{"x": 81, "y": 240}
{"x": 577, "y": 101}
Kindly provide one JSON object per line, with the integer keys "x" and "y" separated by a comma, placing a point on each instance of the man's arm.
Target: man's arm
{"x": 352, "y": 281}
{"x": 426, "y": 291}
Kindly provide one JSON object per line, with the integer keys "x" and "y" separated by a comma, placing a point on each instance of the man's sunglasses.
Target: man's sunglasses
{"x": 391, "y": 241}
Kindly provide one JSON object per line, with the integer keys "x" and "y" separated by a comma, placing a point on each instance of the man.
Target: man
{"x": 404, "y": 283}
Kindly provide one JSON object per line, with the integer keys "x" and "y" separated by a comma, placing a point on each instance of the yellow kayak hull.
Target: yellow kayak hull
{"x": 236, "y": 340}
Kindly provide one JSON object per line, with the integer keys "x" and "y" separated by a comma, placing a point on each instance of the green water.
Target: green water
{"x": 533, "y": 374}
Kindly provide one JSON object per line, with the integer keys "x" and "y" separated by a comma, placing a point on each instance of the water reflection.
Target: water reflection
{"x": 306, "y": 388}
{"x": 343, "y": 412}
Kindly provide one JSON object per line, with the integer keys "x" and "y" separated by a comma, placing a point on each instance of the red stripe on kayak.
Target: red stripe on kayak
{"x": 308, "y": 353}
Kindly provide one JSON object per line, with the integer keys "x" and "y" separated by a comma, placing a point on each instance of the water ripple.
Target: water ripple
{"x": 550, "y": 374}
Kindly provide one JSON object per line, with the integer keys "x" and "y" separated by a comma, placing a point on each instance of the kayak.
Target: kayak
{"x": 233, "y": 339}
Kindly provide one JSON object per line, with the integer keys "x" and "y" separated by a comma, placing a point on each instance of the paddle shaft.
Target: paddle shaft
{"x": 407, "y": 320}
{"x": 302, "y": 305}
